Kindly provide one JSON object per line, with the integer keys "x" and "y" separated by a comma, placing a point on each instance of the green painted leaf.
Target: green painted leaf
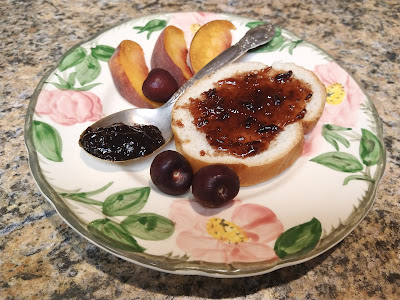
{"x": 293, "y": 45}
{"x": 254, "y": 24}
{"x": 290, "y": 45}
{"x": 340, "y": 139}
{"x": 100, "y": 190}
{"x": 330, "y": 139}
{"x": 70, "y": 84}
{"x": 113, "y": 234}
{"x": 102, "y": 52}
{"x": 47, "y": 141}
{"x": 66, "y": 87}
{"x": 149, "y": 226}
{"x": 62, "y": 81}
{"x": 59, "y": 86}
{"x": 88, "y": 70}
{"x": 86, "y": 87}
{"x": 298, "y": 240}
{"x": 272, "y": 45}
{"x": 72, "y": 59}
{"x": 333, "y": 137}
{"x": 126, "y": 202}
{"x": 151, "y": 26}
{"x": 339, "y": 161}
{"x": 357, "y": 177}
{"x": 71, "y": 79}
{"x": 371, "y": 150}
{"x": 84, "y": 196}
{"x": 64, "y": 84}
{"x": 335, "y": 127}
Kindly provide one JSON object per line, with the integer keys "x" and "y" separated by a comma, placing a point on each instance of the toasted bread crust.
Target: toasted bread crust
{"x": 251, "y": 175}
{"x": 310, "y": 120}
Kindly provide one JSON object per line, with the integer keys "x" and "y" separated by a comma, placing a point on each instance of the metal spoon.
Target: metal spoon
{"x": 161, "y": 116}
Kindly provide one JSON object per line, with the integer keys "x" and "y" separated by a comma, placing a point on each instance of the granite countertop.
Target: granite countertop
{"x": 41, "y": 257}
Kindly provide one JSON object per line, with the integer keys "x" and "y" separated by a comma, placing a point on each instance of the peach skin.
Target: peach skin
{"x": 129, "y": 70}
{"x": 170, "y": 53}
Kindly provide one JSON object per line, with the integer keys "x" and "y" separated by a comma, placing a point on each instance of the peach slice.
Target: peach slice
{"x": 170, "y": 53}
{"x": 129, "y": 70}
{"x": 210, "y": 40}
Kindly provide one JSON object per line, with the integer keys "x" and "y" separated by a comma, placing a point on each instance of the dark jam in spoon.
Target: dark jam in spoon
{"x": 120, "y": 142}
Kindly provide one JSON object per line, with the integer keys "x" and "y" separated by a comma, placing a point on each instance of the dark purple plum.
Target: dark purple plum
{"x": 159, "y": 85}
{"x": 171, "y": 173}
{"x": 215, "y": 185}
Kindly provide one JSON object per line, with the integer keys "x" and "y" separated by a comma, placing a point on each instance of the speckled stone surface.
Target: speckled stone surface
{"x": 42, "y": 258}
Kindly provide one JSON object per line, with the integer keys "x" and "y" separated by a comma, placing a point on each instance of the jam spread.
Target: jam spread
{"x": 241, "y": 115}
{"x": 120, "y": 142}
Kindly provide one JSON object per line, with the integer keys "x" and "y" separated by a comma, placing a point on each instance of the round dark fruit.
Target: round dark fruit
{"x": 171, "y": 173}
{"x": 215, "y": 185}
{"x": 159, "y": 85}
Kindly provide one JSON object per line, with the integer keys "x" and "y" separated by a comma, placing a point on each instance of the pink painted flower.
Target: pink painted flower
{"x": 344, "y": 98}
{"x": 235, "y": 233}
{"x": 189, "y": 23}
{"x": 69, "y": 107}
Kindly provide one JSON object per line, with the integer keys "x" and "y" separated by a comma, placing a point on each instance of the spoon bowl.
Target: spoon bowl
{"x": 161, "y": 117}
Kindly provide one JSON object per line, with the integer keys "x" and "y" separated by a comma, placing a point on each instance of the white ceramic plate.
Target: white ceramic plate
{"x": 285, "y": 221}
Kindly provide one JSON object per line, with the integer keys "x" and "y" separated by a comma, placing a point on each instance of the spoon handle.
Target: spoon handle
{"x": 254, "y": 37}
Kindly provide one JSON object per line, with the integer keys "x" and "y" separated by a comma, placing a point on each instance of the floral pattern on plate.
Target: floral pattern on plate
{"x": 282, "y": 222}
{"x": 69, "y": 107}
{"x": 240, "y": 232}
